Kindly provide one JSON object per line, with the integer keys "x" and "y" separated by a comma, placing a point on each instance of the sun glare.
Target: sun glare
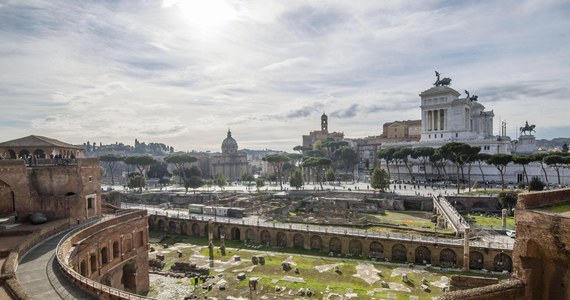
{"x": 207, "y": 14}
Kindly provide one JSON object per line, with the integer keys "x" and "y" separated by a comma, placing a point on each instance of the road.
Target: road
{"x": 40, "y": 276}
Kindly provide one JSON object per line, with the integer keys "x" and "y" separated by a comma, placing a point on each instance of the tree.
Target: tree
{"x": 380, "y": 179}
{"x": 221, "y": 181}
{"x": 142, "y": 163}
{"x": 158, "y": 170}
{"x": 259, "y": 183}
{"x": 508, "y": 199}
{"x": 565, "y": 148}
{"x": 539, "y": 157}
{"x": 110, "y": 160}
{"x": 277, "y": 161}
{"x": 536, "y": 184}
{"x": 181, "y": 161}
{"x": 422, "y": 154}
{"x": 247, "y": 177}
{"x": 301, "y": 149}
{"x": 482, "y": 157}
{"x": 296, "y": 179}
{"x": 347, "y": 156}
{"x": 136, "y": 181}
{"x": 193, "y": 182}
{"x": 387, "y": 155}
{"x": 329, "y": 176}
{"x": 329, "y": 145}
{"x": 457, "y": 153}
{"x": 192, "y": 178}
{"x": 318, "y": 165}
{"x": 472, "y": 155}
{"x": 556, "y": 162}
{"x": 500, "y": 161}
{"x": 402, "y": 154}
{"x": 523, "y": 160}
{"x": 438, "y": 161}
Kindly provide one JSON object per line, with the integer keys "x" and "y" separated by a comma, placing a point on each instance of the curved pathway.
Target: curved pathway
{"x": 40, "y": 276}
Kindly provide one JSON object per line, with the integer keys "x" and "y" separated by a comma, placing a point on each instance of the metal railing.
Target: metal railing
{"x": 318, "y": 229}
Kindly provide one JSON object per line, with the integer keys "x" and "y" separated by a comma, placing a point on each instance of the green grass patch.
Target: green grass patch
{"x": 479, "y": 220}
{"x": 271, "y": 274}
{"x": 558, "y": 208}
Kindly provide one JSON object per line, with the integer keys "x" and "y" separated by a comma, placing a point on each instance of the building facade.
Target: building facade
{"x": 231, "y": 163}
{"x": 318, "y": 135}
{"x": 58, "y": 187}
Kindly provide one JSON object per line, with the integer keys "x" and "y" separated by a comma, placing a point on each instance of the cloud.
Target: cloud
{"x": 119, "y": 70}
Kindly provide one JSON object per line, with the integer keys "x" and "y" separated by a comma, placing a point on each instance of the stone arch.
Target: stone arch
{"x": 104, "y": 256}
{"x": 221, "y": 231}
{"x": 265, "y": 237}
{"x": 376, "y": 250}
{"x": 235, "y": 234}
{"x": 447, "y": 258}
{"x": 422, "y": 255}
{"x": 503, "y": 262}
{"x": 335, "y": 245}
{"x": 250, "y": 235}
{"x": 24, "y": 153}
{"x": 39, "y": 153}
{"x": 355, "y": 247}
{"x": 12, "y": 154}
{"x": 399, "y": 253}
{"x": 298, "y": 240}
{"x": 93, "y": 262}
{"x": 83, "y": 268}
{"x": 316, "y": 242}
{"x": 129, "y": 279}
{"x": 184, "y": 228}
{"x": 479, "y": 206}
{"x": 281, "y": 239}
{"x": 172, "y": 226}
{"x": 116, "y": 250}
{"x": 195, "y": 229}
{"x": 476, "y": 260}
{"x": 161, "y": 225}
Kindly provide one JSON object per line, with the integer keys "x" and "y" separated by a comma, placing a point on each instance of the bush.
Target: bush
{"x": 536, "y": 184}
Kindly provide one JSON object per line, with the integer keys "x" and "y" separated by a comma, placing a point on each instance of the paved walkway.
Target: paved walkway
{"x": 40, "y": 276}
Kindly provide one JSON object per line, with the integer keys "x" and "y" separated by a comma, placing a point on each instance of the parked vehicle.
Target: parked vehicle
{"x": 511, "y": 233}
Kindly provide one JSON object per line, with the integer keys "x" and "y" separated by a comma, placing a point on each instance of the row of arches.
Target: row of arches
{"x": 107, "y": 253}
{"x": 446, "y": 257}
{"x": 39, "y": 153}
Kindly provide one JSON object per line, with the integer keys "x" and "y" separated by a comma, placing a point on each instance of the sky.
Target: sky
{"x": 184, "y": 72}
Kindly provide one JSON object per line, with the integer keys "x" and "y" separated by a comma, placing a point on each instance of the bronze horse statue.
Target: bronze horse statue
{"x": 441, "y": 82}
{"x": 527, "y": 128}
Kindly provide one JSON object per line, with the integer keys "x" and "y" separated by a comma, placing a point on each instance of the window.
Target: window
{"x": 456, "y": 134}
{"x": 90, "y": 203}
{"x": 90, "y": 179}
{"x": 93, "y": 263}
{"x": 441, "y": 136}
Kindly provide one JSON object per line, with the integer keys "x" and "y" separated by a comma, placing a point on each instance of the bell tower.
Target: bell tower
{"x": 324, "y": 123}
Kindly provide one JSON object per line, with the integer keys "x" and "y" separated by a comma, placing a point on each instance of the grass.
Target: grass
{"x": 489, "y": 222}
{"x": 271, "y": 273}
{"x": 558, "y": 208}
{"x": 417, "y": 220}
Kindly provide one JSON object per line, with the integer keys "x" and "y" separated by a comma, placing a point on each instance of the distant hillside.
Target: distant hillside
{"x": 554, "y": 143}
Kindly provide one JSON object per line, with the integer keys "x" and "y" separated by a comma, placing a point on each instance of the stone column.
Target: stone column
{"x": 466, "y": 250}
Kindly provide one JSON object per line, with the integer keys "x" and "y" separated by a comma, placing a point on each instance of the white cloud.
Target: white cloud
{"x": 121, "y": 70}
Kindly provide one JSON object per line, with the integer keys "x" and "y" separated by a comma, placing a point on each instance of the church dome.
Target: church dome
{"x": 229, "y": 145}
